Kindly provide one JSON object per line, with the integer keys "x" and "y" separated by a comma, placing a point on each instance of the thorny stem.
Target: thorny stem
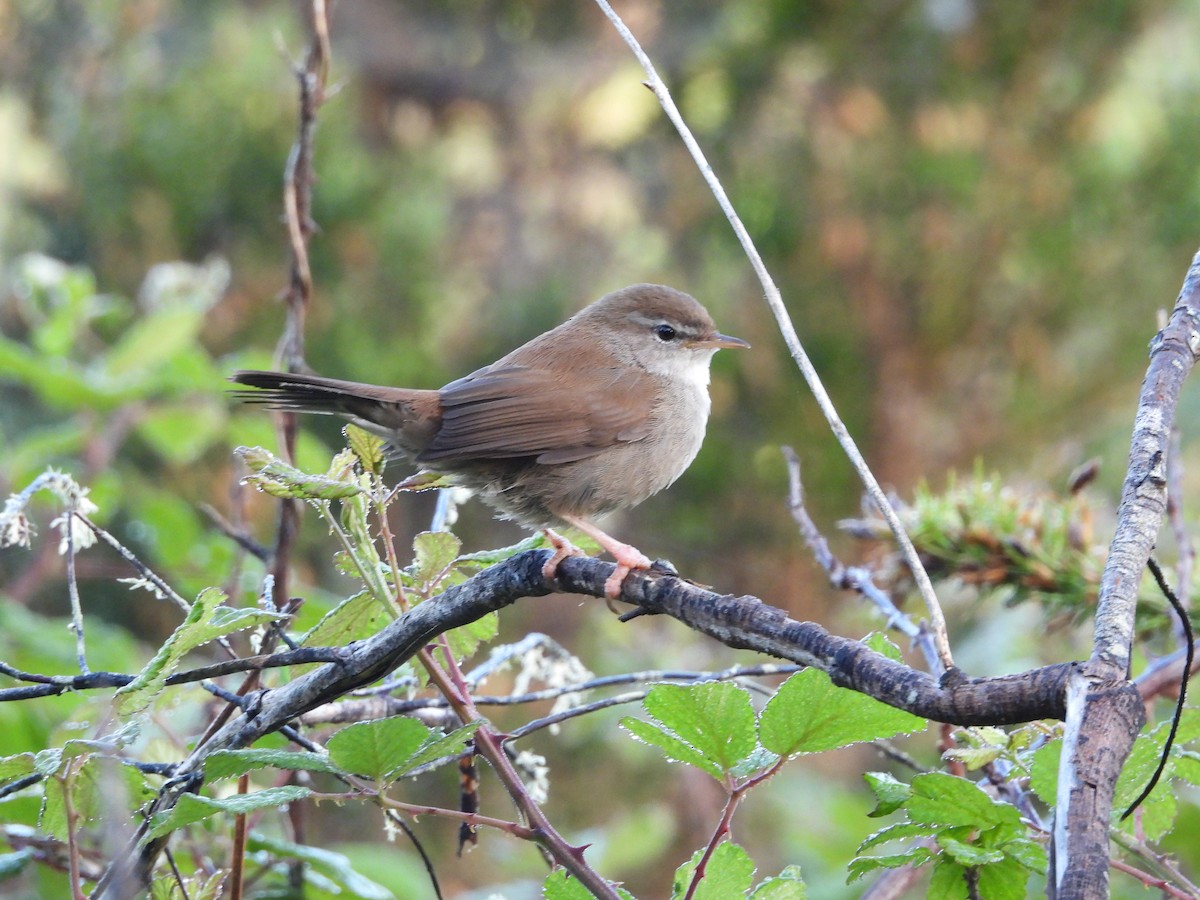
{"x": 788, "y": 330}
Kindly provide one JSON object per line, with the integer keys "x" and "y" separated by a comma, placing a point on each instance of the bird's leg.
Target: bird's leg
{"x": 628, "y": 557}
{"x": 562, "y": 549}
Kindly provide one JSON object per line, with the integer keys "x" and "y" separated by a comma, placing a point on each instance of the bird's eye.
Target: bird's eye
{"x": 665, "y": 333}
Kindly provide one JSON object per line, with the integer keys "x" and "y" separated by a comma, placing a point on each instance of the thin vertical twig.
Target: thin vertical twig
{"x": 73, "y": 592}
{"x": 937, "y": 620}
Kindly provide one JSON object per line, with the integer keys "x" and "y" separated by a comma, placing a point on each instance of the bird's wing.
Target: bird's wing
{"x": 506, "y": 412}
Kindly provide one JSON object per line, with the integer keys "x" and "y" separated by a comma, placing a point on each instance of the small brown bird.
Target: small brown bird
{"x": 593, "y": 416}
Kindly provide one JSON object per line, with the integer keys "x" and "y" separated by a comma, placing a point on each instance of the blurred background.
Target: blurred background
{"x": 974, "y": 211}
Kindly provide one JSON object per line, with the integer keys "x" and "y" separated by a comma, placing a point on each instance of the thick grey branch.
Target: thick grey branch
{"x": 1105, "y": 712}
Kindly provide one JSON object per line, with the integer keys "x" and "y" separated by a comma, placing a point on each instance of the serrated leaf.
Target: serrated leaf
{"x": 199, "y": 886}
{"x": 948, "y": 881}
{"x": 274, "y": 477}
{"x": 434, "y": 747}
{"x": 235, "y": 763}
{"x": 353, "y": 619}
{"x": 1028, "y": 853}
{"x": 1043, "y": 771}
{"x": 206, "y": 621}
{"x": 376, "y": 747}
{"x": 890, "y": 793}
{"x": 883, "y": 645}
{"x": 17, "y": 766}
{"x": 787, "y": 885}
{"x": 901, "y": 831}
{"x": 941, "y": 799}
{"x": 728, "y": 873}
{"x": 716, "y": 718}
{"x": 974, "y": 757}
{"x": 367, "y": 447}
{"x": 335, "y": 866}
{"x": 561, "y": 886}
{"x": 808, "y": 714}
{"x": 1004, "y": 880}
{"x": 433, "y": 553}
{"x": 864, "y": 865}
{"x": 191, "y": 808}
{"x": 672, "y": 747}
{"x": 465, "y": 639}
{"x": 969, "y": 855}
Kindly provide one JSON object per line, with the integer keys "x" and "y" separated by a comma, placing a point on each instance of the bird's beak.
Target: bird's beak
{"x": 722, "y": 342}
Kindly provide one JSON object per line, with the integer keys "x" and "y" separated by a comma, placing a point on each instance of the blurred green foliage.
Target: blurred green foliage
{"x": 973, "y": 210}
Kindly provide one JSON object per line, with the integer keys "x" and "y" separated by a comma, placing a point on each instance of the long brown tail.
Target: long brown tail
{"x": 401, "y": 414}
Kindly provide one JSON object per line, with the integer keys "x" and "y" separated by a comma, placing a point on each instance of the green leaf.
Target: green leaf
{"x": 728, "y": 873}
{"x": 969, "y": 855}
{"x": 1004, "y": 880}
{"x": 941, "y": 799}
{"x": 787, "y": 885}
{"x": 948, "y": 882}
{"x": 367, "y": 447}
{"x": 1043, "y": 772}
{"x": 206, "y": 621}
{"x": 901, "y": 831}
{"x": 16, "y": 766}
{"x": 883, "y": 645}
{"x": 1028, "y": 853}
{"x": 335, "y": 866}
{"x": 235, "y": 763}
{"x": 192, "y": 808}
{"x": 864, "y": 865}
{"x": 671, "y": 746}
{"x": 180, "y": 432}
{"x": 808, "y": 714}
{"x": 890, "y": 793}
{"x": 353, "y": 619}
{"x": 433, "y": 553}
{"x": 436, "y": 746}
{"x": 377, "y": 747}
{"x": 710, "y": 726}
{"x": 465, "y": 639}
{"x": 561, "y": 886}
{"x": 274, "y": 477}
{"x": 152, "y": 341}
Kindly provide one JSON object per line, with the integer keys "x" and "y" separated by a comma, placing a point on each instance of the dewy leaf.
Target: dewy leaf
{"x": 941, "y": 799}
{"x": 433, "y": 553}
{"x": 672, "y": 747}
{"x": 235, "y": 763}
{"x": 335, "y": 866}
{"x": 787, "y": 885}
{"x": 890, "y": 793}
{"x": 206, "y": 621}
{"x": 435, "y": 746}
{"x": 808, "y": 714}
{"x": 561, "y": 886}
{"x": 1004, "y": 880}
{"x": 367, "y": 447}
{"x": 729, "y": 873}
{"x": 16, "y": 766}
{"x": 194, "y": 808}
{"x": 465, "y": 639}
{"x": 715, "y": 718}
{"x": 353, "y": 619}
{"x": 374, "y": 748}
{"x": 969, "y": 855}
{"x": 275, "y": 477}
